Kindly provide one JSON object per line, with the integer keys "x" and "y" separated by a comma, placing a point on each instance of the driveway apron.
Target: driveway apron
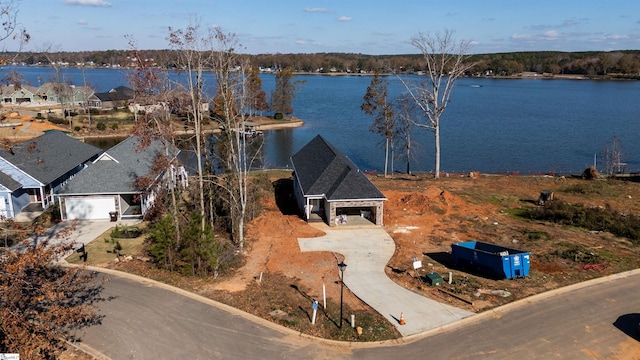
{"x": 367, "y": 251}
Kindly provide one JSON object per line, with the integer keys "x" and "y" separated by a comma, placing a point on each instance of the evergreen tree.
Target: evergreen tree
{"x": 376, "y": 105}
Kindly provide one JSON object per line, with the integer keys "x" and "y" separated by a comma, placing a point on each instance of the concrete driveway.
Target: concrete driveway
{"x": 366, "y": 252}
{"x": 85, "y": 231}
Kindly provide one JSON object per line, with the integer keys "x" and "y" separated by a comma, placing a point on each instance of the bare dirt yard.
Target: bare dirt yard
{"x": 425, "y": 216}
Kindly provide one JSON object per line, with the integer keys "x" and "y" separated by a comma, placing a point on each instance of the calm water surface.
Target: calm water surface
{"x": 528, "y": 125}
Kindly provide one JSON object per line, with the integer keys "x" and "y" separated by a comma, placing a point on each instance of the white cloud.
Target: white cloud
{"x": 344, "y": 18}
{"x": 551, "y": 35}
{"x": 617, "y": 37}
{"x": 317, "y": 10}
{"x": 97, "y": 3}
{"x": 520, "y": 37}
{"x": 82, "y": 22}
{"x": 301, "y": 42}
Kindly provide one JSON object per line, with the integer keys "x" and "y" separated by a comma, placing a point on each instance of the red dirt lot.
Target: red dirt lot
{"x": 425, "y": 216}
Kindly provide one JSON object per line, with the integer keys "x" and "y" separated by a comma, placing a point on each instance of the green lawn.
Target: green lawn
{"x": 100, "y": 251}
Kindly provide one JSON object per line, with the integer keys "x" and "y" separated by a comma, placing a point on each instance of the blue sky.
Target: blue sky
{"x": 357, "y": 26}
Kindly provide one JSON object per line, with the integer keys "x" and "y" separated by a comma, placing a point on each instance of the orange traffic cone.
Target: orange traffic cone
{"x": 402, "y": 319}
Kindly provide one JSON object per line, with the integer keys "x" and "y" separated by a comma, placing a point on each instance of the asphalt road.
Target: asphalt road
{"x": 147, "y": 321}
{"x": 143, "y": 321}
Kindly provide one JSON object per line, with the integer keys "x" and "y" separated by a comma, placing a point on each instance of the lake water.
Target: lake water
{"x": 491, "y": 125}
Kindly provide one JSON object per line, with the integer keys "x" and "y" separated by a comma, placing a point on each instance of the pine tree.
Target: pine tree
{"x": 376, "y": 105}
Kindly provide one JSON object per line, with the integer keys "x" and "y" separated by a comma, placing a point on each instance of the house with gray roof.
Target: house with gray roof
{"x": 108, "y": 188}
{"x": 32, "y": 171}
{"x": 118, "y": 97}
{"x": 330, "y": 186}
{"x": 7, "y": 187}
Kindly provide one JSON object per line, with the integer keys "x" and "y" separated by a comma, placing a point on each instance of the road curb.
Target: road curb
{"x": 360, "y": 345}
{"x": 230, "y": 309}
{"x": 519, "y": 303}
{"x": 97, "y": 355}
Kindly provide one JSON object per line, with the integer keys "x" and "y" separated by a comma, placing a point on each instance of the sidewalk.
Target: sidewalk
{"x": 366, "y": 252}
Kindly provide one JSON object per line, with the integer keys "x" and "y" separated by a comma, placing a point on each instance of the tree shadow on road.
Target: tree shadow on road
{"x": 629, "y": 324}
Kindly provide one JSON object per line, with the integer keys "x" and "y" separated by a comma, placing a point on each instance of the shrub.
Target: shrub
{"x": 278, "y": 116}
{"x": 39, "y": 116}
{"x": 56, "y": 120}
{"x": 577, "y": 253}
{"x": 125, "y": 232}
{"x": 537, "y": 235}
{"x": 101, "y": 126}
{"x": 591, "y": 218}
{"x": 114, "y": 126}
{"x": 77, "y": 128}
{"x": 261, "y": 181}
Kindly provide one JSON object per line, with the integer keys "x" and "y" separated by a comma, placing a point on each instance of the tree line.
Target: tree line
{"x": 620, "y": 63}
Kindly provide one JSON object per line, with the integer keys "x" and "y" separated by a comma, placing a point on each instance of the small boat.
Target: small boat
{"x": 249, "y": 132}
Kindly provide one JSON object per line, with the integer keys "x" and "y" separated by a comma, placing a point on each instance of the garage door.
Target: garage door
{"x": 89, "y": 208}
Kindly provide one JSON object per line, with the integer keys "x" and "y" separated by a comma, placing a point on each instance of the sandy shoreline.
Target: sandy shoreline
{"x": 295, "y": 123}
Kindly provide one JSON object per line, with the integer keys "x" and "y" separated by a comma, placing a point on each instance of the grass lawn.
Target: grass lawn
{"x": 101, "y": 250}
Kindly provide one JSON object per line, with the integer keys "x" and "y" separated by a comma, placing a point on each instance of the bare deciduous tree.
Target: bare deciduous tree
{"x": 233, "y": 74}
{"x": 153, "y": 123}
{"x": 191, "y": 46}
{"x": 406, "y": 110}
{"x": 10, "y": 26}
{"x": 444, "y": 63}
{"x": 59, "y": 83}
{"x": 613, "y": 156}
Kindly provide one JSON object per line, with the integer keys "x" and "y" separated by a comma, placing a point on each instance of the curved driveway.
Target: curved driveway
{"x": 366, "y": 252}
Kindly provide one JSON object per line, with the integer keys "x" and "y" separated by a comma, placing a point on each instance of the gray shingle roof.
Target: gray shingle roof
{"x": 116, "y": 170}
{"x": 8, "y": 182}
{"x": 119, "y": 93}
{"x": 323, "y": 169}
{"x": 49, "y": 156}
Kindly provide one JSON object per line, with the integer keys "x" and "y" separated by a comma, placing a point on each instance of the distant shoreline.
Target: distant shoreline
{"x": 289, "y": 124}
{"x": 529, "y": 76}
{"x": 523, "y": 75}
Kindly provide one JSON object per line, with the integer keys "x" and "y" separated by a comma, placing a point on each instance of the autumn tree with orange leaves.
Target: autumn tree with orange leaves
{"x": 41, "y": 302}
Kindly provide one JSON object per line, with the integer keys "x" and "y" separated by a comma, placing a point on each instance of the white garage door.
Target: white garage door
{"x": 89, "y": 208}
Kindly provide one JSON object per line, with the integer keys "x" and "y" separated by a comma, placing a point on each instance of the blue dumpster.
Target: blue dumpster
{"x": 493, "y": 260}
